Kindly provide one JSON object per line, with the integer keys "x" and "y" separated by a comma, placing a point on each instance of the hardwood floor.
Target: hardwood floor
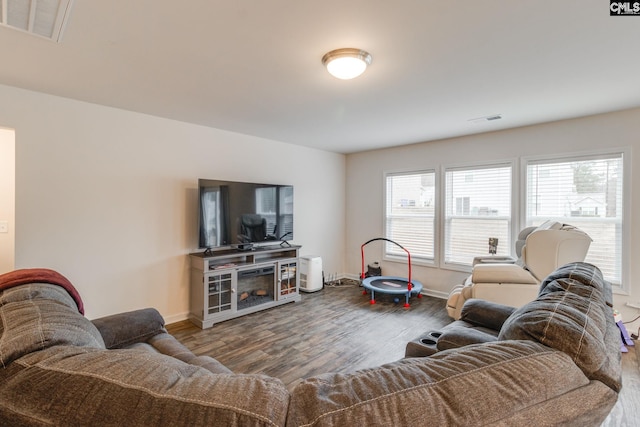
{"x": 334, "y": 330}
{"x": 627, "y": 409}
{"x": 337, "y": 330}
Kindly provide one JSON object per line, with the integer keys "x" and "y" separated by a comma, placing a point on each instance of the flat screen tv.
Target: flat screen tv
{"x": 241, "y": 214}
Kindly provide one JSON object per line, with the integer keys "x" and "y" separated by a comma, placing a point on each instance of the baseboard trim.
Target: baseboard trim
{"x": 435, "y": 294}
{"x": 425, "y": 292}
{"x": 175, "y": 318}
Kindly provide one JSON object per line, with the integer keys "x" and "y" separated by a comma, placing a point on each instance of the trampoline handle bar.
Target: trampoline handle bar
{"x": 391, "y": 241}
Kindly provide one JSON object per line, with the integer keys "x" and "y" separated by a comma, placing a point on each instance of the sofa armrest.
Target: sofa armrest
{"x": 123, "y": 329}
{"x": 501, "y": 273}
{"x": 461, "y": 337}
{"x": 493, "y": 259}
{"x": 484, "y": 313}
{"x": 166, "y": 343}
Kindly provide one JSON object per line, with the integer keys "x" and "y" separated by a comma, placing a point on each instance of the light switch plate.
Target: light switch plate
{"x": 4, "y": 226}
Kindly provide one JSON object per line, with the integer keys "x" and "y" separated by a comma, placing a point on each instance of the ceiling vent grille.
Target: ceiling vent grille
{"x": 44, "y": 18}
{"x": 485, "y": 119}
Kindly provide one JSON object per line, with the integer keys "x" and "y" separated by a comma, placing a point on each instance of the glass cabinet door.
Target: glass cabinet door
{"x": 218, "y": 292}
{"x": 288, "y": 279}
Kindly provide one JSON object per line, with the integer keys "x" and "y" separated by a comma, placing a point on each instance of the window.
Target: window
{"x": 410, "y": 214}
{"x": 586, "y": 192}
{"x": 477, "y": 207}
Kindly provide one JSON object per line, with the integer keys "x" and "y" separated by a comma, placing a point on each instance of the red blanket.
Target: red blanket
{"x": 40, "y": 275}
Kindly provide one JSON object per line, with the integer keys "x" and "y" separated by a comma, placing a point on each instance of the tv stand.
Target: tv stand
{"x": 231, "y": 282}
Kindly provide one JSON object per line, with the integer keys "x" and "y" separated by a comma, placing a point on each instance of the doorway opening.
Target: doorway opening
{"x": 7, "y": 199}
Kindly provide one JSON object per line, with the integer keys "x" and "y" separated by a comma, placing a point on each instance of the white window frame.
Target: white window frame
{"x": 515, "y": 203}
{"x": 415, "y": 259}
{"x": 518, "y": 205}
{"x": 623, "y": 287}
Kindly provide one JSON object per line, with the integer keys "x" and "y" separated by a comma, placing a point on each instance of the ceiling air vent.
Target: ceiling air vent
{"x": 485, "y": 119}
{"x": 44, "y": 18}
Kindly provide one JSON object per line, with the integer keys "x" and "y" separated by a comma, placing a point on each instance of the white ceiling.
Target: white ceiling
{"x": 254, "y": 66}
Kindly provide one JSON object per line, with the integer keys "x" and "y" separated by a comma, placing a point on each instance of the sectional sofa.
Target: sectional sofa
{"x": 59, "y": 368}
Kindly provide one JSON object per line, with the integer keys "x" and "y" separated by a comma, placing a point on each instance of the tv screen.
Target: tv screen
{"x": 242, "y": 213}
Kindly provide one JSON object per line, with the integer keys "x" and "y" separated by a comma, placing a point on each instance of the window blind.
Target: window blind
{"x": 586, "y": 192}
{"x": 410, "y": 214}
{"x": 477, "y": 207}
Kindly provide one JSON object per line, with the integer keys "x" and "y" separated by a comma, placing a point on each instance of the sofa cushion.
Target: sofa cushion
{"x": 571, "y": 315}
{"x": 475, "y": 385}
{"x": 38, "y": 316}
{"x": 73, "y": 386}
{"x": 587, "y": 278}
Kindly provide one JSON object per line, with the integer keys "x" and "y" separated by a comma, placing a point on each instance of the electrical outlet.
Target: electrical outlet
{"x": 634, "y": 305}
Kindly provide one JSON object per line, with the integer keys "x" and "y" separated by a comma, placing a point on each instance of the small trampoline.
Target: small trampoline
{"x": 390, "y": 284}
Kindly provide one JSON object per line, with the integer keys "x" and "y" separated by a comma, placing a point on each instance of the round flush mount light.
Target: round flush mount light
{"x": 346, "y": 63}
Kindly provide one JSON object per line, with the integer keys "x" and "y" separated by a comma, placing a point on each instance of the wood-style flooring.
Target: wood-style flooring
{"x": 337, "y": 330}
{"x": 627, "y": 409}
{"x": 333, "y": 330}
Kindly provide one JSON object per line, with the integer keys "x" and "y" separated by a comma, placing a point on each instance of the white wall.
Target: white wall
{"x": 108, "y": 197}
{"x": 365, "y": 172}
{"x": 7, "y": 198}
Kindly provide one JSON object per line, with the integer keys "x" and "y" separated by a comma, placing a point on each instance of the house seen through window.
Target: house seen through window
{"x": 477, "y": 207}
{"x": 586, "y": 192}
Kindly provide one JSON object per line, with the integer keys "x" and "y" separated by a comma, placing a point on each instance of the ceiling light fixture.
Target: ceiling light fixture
{"x": 346, "y": 63}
